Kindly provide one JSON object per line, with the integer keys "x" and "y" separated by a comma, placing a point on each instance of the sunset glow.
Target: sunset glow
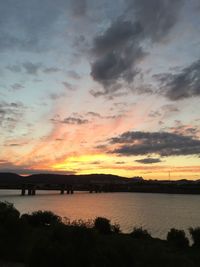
{"x": 100, "y": 88}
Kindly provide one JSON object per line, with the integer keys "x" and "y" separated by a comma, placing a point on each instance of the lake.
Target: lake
{"x": 155, "y": 212}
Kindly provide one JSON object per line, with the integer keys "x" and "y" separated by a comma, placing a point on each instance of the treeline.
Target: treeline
{"x": 44, "y": 239}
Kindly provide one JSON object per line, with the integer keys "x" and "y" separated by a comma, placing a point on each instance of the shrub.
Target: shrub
{"x": 195, "y": 234}
{"x": 8, "y": 213}
{"x": 140, "y": 233}
{"x": 177, "y": 238}
{"x": 41, "y": 218}
{"x": 102, "y": 225}
{"x": 115, "y": 228}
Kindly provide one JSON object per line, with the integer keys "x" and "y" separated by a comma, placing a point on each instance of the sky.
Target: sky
{"x": 109, "y": 86}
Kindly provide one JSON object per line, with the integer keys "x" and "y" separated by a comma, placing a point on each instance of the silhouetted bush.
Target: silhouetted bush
{"x": 195, "y": 234}
{"x": 41, "y": 218}
{"x": 41, "y": 239}
{"x": 81, "y": 223}
{"x": 8, "y": 213}
{"x": 140, "y": 233}
{"x": 177, "y": 238}
{"x": 102, "y": 225}
{"x": 115, "y": 228}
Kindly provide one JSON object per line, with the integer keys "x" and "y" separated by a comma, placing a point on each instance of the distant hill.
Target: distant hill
{"x": 105, "y": 182}
{"x": 12, "y": 178}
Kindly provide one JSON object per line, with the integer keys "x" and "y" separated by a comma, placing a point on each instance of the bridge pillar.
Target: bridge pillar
{"x": 29, "y": 192}
{"x": 23, "y": 192}
{"x": 33, "y": 192}
{"x": 62, "y": 189}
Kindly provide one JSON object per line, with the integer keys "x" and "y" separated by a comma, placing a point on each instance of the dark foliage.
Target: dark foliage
{"x": 177, "y": 238}
{"x": 102, "y": 225}
{"x": 8, "y": 213}
{"x": 42, "y": 239}
{"x": 140, "y": 233}
{"x": 41, "y": 218}
{"x": 195, "y": 234}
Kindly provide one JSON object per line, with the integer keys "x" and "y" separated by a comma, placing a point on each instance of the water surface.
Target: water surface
{"x": 154, "y": 212}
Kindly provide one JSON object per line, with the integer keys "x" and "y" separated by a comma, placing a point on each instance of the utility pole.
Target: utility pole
{"x": 169, "y": 176}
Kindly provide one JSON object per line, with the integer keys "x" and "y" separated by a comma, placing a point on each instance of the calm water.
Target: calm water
{"x": 155, "y": 212}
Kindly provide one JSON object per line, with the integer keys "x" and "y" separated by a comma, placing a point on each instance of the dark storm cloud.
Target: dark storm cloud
{"x": 160, "y": 143}
{"x": 148, "y": 160}
{"x": 118, "y": 49}
{"x": 157, "y": 17}
{"x": 181, "y": 85}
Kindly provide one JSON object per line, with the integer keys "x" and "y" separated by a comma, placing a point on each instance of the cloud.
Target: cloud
{"x": 94, "y": 114}
{"x": 55, "y": 96}
{"x": 118, "y": 50}
{"x": 69, "y": 86}
{"x": 32, "y": 68}
{"x": 25, "y": 25}
{"x": 170, "y": 108}
{"x": 73, "y": 74}
{"x": 148, "y": 160}
{"x": 156, "y": 17}
{"x": 17, "y": 86}
{"x": 79, "y": 7}
{"x": 10, "y": 114}
{"x": 154, "y": 114}
{"x": 160, "y": 143}
{"x": 14, "y": 68}
{"x": 7, "y": 166}
{"x": 189, "y": 130}
{"x": 71, "y": 120}
{"x": 51, "y": 70}
{"x": 185, "y": 84}
{"x": 14, "y": 145}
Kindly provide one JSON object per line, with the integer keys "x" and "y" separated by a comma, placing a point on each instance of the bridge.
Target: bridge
{"x": 31, "y": 189}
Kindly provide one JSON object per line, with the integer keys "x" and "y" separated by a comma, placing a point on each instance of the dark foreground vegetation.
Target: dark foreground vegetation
{"x": 45, "y": 239}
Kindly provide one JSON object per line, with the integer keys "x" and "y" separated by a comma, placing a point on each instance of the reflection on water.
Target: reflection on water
{"x": 155, "y": 212}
